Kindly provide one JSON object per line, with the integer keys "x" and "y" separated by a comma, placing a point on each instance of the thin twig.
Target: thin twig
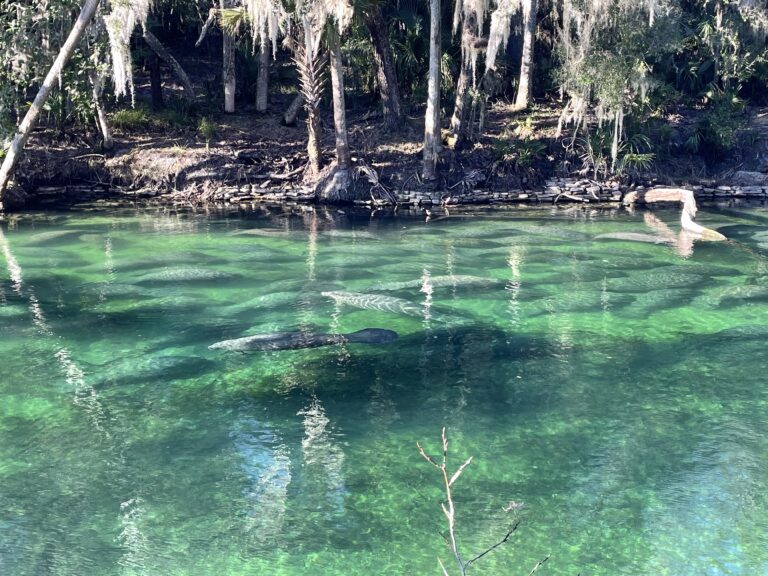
{"x": 499, "y": 543}
{"x": 539, "y": 564}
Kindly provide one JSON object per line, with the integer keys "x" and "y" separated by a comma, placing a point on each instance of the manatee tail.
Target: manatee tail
{"x": 372, "y": 336}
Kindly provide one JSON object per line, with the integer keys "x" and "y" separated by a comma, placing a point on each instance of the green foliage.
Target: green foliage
{"x": 594, "y": 150}
{"x": 175, "y": 117}
{"x": 131, "y": 119}
{"x": 207, "y": 129}
{"x": 634, "y": 156}
{"x": 716, "y": 133}
{"x": 519, "y": 148}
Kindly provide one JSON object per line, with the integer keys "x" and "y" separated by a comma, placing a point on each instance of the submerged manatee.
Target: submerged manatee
{"x": 437, "y": 282}
{"x": 182, "y": 275}
{"x": 297, "y": 340}
{"x": 376, "y": 302}
{"x": 55, "y": 235}
{"x": 634, "y": 237}
{"x": 656, "y": 279}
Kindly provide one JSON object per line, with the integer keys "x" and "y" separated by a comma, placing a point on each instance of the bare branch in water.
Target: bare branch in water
{"x": 539, "y": 564}
{"x": 450, "y": 512}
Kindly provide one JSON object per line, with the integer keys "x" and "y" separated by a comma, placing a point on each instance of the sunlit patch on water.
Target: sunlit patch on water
{"x": 612, "y": 383}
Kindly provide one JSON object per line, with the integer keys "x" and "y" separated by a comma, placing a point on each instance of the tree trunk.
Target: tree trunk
{"x": 97, "y": 82}
{"x": 228, "y": 77}
{"x": 289, "y": 118}
{"x": 460, "y": 108}
{"x": 167, "y": 57}
{"x": 156, "y": 82}
{"x": 432, "y": 117}
{"x": 262, "y": 80}
{"x": 386, "y": 76}
{"x": 22, "y": 135}
{"x": 339, "y": 108}
{"x": 335, "y": 188}
{"x": 526, "y": 64}
{"x": 313, "y": 142}
{"x": 310, "y": 75}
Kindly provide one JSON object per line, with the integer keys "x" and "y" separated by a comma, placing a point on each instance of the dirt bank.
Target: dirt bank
{"x": 247, "y": 158}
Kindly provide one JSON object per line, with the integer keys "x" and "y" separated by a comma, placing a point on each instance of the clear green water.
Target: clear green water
{"x": 615, "y": 388}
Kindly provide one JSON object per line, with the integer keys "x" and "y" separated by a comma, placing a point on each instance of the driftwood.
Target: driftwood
{"x": 681, "y": 195}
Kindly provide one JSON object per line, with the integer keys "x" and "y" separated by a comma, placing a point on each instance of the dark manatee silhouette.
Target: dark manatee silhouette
{"x": 297, "y": 340}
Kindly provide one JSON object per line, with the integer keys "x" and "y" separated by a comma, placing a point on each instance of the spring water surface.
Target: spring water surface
{"x": 612, "y": 394}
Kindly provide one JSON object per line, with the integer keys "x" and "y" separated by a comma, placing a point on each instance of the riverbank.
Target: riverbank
{"x": 244, "y": 159}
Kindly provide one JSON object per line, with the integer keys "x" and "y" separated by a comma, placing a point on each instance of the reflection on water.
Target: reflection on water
{"x": 323, "y": 459}
{"x": 267, "y": 466}
{"x": 614, "y": 385}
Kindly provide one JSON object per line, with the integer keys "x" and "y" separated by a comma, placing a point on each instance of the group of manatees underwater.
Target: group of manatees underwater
{"x": 365, "y": 301}
{"x": 672, "y": 279}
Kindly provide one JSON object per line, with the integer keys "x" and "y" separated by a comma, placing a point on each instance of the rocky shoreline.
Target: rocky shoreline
{"x": 554, "y": 191}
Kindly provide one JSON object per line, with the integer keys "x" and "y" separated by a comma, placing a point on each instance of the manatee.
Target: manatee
{"x": 550, "y": 231}
{"x": 376, "y": 302}
{"x": 58, "y": 235}
{"x": 574, "y": 301}
{"x": 734, "y": 294}
{"x": 12, "y": 310}
{"x": 634, "y": 237}
{"x": 266, "y": 232}
{"x": 298, "y": 340}
{"x": 437, "y": 282}
{"x": 115, "y": 289}
{"x": 655, "y": 279}
{"x": 351, "y": 234}
{"x": 151, "y": 368}
{"x": 652, "y": 301}
{"x": 182, "y": 275}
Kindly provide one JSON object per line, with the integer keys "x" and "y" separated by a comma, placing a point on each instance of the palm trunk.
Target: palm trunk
{"x": 22, "y": 135}
{"x": 228, "y": 77}
{"x": 339, "y": 108}
{"x": 310, "y": 75}
{"x": 385, "y": 65}
{"x": 432, "y": 117}
{"x": 262, "y": 80}
{"x": 459, "y": 118}
{"x": 313, "y": 141}
{"x": 335, "y": 188}
{"x": 526, "y": 64}
{"x": 167, "y": 57}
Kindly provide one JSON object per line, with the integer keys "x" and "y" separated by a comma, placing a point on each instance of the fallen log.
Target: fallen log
{"x": 681, "y": 195}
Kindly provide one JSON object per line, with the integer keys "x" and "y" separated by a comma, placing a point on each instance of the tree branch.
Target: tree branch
{"x": 499, "y": 543}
